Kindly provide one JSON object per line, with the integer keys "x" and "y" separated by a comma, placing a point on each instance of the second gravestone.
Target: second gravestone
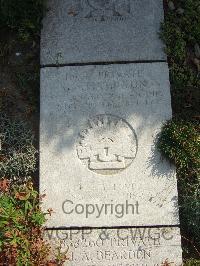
{"x": 114, "y": 197}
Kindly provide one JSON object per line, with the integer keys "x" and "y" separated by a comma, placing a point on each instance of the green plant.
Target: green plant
{"x": 181, "y": 30}
{"x": 21, "y": 228}
{"x": 181, "y": 34}
{"x": 189, "y": 198}
{"x": 192, "y": 262}
{"x": 17, "y": 155}
{"x": 23, "y": 16}
{"x": 180, "y": 142}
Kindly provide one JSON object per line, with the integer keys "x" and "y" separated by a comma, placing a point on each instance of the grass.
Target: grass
{"x": 18, "y": 156}
{"x": 181, "y": 33}
{"x": 180, "y": 142}
{"x": 180, "y": 138}
{"x": 192, "y": 262}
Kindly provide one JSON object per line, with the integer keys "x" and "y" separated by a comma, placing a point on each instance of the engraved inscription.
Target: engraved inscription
{"x": 108, "y": 145}
{"x": 119, "y": 247}
{"x": 101, "y": 8}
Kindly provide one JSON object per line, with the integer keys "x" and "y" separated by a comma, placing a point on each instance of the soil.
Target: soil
{"x": 19, "y": 81}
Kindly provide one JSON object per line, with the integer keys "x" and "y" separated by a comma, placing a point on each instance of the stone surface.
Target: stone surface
{"x": 82, "y": 31}
{"x": 98, "y": 161}
{"x": 120, "y": 247}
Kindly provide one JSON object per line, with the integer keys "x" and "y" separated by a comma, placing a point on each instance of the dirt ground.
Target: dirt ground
{"x": 20, "y": 81}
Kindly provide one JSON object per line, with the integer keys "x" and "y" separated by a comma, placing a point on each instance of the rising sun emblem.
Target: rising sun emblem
{"x": 107, "y": 145}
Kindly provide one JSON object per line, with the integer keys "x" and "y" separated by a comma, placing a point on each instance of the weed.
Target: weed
{"x": 179, "y": 141}
{"x": 21, "y": 227}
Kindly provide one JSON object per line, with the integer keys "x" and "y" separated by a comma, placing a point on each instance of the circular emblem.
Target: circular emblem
{"x": 107, "y": 145}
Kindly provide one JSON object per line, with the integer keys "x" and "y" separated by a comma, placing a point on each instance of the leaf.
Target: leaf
{"x": 28, "y": 206}
{"x": 4, "y": 185}
{"x": 22, "y": 195}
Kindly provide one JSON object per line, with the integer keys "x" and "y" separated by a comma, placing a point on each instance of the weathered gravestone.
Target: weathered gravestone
{"x": 98, "y": 130}
{"x": 78, "y": 31}
{"x": 120, "y": 247}
{"x": 99, "y": 164}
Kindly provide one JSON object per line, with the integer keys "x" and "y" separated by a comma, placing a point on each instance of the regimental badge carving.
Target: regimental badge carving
{"x": 101, "y": 8}
{"x": 107, "y": 145}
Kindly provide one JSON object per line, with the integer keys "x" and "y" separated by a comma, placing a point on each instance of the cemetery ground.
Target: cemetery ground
{"x": 21, "y": 219}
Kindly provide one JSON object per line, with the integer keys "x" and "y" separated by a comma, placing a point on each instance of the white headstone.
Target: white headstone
{"x": 119, "y": 247}
{"x": 81, "y": 31}
{"x": 99, "y": 165}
